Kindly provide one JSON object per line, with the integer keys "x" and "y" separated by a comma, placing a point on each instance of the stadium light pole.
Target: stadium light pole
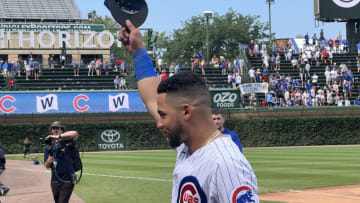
{"x": 270, "y": 2}
{"x": 208, "y": 15}
{"x": 91, "y": 16}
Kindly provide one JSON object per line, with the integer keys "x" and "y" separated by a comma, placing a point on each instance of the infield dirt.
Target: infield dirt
{"x": 29, "y": 183}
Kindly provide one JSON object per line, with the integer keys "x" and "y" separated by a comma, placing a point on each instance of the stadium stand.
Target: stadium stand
{"x": 2, "y": 83}
{"x": 213, "y": 77}
{"x": 53, "y": 79}
{"x": 41, "y": 10}
{"x": 286, "y": 69}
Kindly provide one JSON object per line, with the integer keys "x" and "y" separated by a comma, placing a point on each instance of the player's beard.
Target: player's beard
{"x": 174, "y": 135}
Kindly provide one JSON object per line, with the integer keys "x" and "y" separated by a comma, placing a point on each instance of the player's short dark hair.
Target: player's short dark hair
{"x": 186, "y": 84}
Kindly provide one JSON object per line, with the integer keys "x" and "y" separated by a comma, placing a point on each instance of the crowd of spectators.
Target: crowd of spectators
{"x": 233, "y": 68}
{"x": 228, "y": 66}
{"x": 305, "y": 90}
{"x": 164, "y": 72}
{"x": 30, "y": 66}
{"x": 198, "y": 63}
{"x": 120, "y": 83}
{"x": 100, "y": 68}
{"x": 285, "y": 91}
{"x": 313, "y": 44}
{"x": 337, "y": 45}
{"x": 96, "y": 66}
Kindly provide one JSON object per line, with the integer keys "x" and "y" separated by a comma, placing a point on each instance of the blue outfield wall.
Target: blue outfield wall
{"x": 53, "y": 102}
{"x": 70, "y": 102}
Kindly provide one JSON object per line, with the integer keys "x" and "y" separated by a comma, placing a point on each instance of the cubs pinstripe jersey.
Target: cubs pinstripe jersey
{"x": 216, "y": 173}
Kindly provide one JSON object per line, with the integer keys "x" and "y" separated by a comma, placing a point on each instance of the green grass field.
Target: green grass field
{"x": 147, "y": 176}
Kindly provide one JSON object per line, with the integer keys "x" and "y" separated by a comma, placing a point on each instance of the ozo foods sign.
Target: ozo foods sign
{"x": 225, "y": 99}
{"x": 110, "y": 140}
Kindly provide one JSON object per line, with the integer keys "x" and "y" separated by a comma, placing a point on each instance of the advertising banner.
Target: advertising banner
{"x": 48, "y": 39}
{"x": 51, "y": 27}
{"x": 58, "y": 102}
{"x": 249, "y": 88}
{"x": 222, "y": 99}
{"x": 99, "y": 102}
{"x": 111, "y": 139}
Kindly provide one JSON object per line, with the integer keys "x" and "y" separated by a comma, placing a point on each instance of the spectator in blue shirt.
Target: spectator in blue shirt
{"x": 76, "y": 68}
{"x": 308, "y": 86}
{"x": 269, "y": 99}
{"x": 307, "y": 39}
{"x": 314, "y": 39}
{"x": 357, "y": 101}
{"x": 112, "y": 59}
{"x": 219, "y": 122}
{"x": 285, "y": 85}
{"x": 346, "y": 46}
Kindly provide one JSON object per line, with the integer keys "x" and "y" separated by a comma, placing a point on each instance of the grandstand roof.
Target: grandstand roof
{"x": 38, "y": 10}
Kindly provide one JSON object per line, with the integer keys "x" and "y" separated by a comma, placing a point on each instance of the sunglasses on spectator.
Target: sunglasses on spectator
{"x": 55, "y": 128}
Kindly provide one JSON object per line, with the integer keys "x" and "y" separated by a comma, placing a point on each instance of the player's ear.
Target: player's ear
{"x": 186, "y": 111}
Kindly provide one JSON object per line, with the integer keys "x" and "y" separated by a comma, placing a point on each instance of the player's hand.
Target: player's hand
{"x": 49, "y": 161}
{"x": 132, "y": 40}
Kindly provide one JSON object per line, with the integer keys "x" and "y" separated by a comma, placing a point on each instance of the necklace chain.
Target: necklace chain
{"x": 213, "y": 136}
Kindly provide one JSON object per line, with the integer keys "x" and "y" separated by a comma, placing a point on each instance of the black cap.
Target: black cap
{"x": 134, "y": 10}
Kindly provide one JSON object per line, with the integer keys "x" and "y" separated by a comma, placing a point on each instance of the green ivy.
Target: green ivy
{"x": 302, "y": 131}
{"x": 139, "y": 135}
{"x": 143, "y": 135}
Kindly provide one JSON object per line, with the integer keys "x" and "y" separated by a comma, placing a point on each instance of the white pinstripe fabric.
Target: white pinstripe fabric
{"x": 219, "y": 167}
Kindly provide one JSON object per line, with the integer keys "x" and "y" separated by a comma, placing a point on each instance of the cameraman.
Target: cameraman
{"x": 58, "y": 158}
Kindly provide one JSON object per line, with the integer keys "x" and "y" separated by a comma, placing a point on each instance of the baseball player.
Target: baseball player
{"x": 209, "y": 167}
{"x": 219, "y": 120}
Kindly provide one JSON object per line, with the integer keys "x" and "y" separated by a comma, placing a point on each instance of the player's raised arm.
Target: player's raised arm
{"x": 144, "y": 70}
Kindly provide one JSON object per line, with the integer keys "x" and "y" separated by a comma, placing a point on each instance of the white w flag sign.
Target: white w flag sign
{"x": 117, "y": 102}
{"x": 46, "y": 103}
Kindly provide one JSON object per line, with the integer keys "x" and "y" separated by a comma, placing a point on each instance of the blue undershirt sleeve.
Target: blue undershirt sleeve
{"x": 143, "y": 65}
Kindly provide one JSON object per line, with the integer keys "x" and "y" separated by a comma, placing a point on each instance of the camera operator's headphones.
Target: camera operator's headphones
{"x": 57, "y": 124}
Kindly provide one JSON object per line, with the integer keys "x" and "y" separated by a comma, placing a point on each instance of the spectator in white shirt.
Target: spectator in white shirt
{"x": 252, "y": 75}
{"x": 333, "y": 75}
{"x": 294, "y": 62}
{"x": 327, "y": 76}
{"x": 307, "y": 69}
{"x": 314, "y": 79}
{"x": 238, "y": 80}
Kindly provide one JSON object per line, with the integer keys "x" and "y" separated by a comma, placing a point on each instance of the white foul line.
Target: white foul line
{"x": 327, "y": 194}
{"x": 128, "y": 177}
{"x": 101, "y": 175}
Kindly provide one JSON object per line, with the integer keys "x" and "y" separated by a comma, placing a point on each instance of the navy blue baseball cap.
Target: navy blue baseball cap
{"x": 134, "y": 10}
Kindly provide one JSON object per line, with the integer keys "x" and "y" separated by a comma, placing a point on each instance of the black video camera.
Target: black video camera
{"x": 62, "y": 143}
{"x": 45, "y": 141}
